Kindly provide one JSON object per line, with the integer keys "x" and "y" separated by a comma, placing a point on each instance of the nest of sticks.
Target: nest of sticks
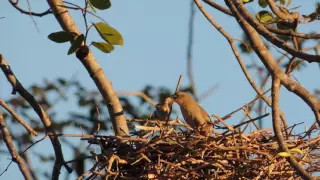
{"x": 173, "y": 151}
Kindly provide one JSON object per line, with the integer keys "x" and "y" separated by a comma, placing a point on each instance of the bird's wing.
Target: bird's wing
{"x": 205, "y": 114}
{"x": 188, "y": 116}
{"x": 199, "y": 116}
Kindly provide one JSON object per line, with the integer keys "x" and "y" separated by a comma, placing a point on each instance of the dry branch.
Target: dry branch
{"x": 13, "y": 152}
{"x": 18, "y": 118}
{"x": 17, "y": 87}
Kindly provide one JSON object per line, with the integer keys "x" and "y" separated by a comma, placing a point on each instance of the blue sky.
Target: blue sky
{"x": 154, "y": 52}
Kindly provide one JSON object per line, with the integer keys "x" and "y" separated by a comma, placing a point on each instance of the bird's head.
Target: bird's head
{"x": 180, "y": 97}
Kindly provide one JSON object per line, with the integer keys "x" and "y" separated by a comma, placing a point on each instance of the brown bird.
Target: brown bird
{"x": 162, "y": 110}
{"x": 193, "y": 113}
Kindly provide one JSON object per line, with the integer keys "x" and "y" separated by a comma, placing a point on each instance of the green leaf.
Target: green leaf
{"x": 101, "y": 4}
{"x": 263, "y": 3}
{"x": 61, "y": 36}
{"x": 264, "y": 16}
{"x": 283, "y": 2}
{"x": 284, "y": 154}
{"x": 246, "y": 1}
{"x": 76, "y": 44}
{"x": 104, "y": 47}
{"x": 92, "y": 7}
{"x": 108, "y": 33}
{"x": 296, "y": 150}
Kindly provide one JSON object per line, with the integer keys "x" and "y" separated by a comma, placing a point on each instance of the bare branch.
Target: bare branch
{"x": 274, "y": 30}
{"x": 277, "y": 127}
{"x": 288, "y": 16}
{"x": 28, "y": 161}
{"x": 140, "y": 94}
{"x": 13, "y": 152}
{"x": 262, "y": 30}
{"x": 275, "y": 71}
{"x": 218, "y": 7}
{"x": 189, "y": 50}
{"x": 17, "y": 87}
{"x": 18, "y": 118}
{"x": 292, "y": 33}
{"x": 238, "y": 57}
{"x": 15, "y": 5}
{"x": 269, "y": 62}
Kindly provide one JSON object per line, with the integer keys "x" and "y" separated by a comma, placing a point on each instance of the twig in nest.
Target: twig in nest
{"x": 221, "y": 121}
{"x": 177, "y": 89}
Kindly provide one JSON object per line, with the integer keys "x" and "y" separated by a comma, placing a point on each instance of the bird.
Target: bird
{"x": 162, "y": 110}
{"x": 194, "y": 115}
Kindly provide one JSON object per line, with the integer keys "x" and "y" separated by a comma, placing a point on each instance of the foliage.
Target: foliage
{"x": 110, "y": 35}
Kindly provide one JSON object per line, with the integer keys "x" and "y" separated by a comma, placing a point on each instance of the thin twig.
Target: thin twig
{"x": 189, "y": 49}
{"x": 18, "y": 118}
{"x": 13, "y": 152}
{"x": 237, "y": 55}
{"x": 15, "y": 5}
{"x": 17, "y": 87}
{"x": 140, "y": 94}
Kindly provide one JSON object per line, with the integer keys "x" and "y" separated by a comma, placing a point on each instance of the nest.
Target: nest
{"x": 161, "y": 151}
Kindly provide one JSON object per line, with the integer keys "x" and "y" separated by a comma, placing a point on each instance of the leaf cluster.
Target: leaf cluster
{"x": 109, "y": 34}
